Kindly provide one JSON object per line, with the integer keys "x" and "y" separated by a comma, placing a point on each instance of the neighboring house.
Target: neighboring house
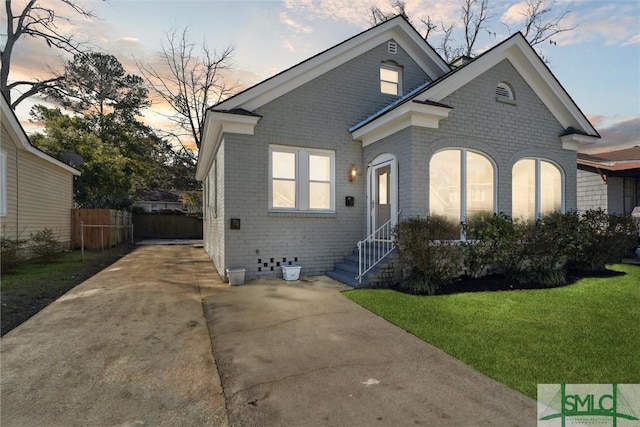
{"x": 610, "y": 181}
{"x": 302, "y": 166}
{"x": 36, "y": 190}
{"x": 157, "y": 200}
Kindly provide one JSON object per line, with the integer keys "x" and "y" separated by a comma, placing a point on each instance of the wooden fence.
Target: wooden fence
{"x": 99, "y": 228}
{"x": 167, "y": 227}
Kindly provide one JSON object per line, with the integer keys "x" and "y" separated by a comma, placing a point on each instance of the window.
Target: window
{"x": 504, "y": 92}
{"x": 301, "y": 179}
{"x": 631, "y": 196}
{"x": 536, "y": 189}
{"x": 3, "y": 183}
{"x": 390, "y": 79}
{"x": 461, "y": 184}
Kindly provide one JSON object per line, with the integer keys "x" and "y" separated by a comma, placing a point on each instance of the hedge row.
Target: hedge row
{"x": 527, "y": 253}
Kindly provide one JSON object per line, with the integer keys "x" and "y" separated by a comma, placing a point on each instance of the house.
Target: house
{"x": 36, "y": 190}
{"x": 157, "y": 200}
{"x": 610, "y": 181}
{"x": 339, "y": 148}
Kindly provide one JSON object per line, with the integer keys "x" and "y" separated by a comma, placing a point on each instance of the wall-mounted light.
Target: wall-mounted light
{"x": 353, "y": 172}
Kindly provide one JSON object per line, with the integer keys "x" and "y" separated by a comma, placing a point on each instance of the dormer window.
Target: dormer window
{"x": 504, "y": 93}
{"x": 390, "y": 79}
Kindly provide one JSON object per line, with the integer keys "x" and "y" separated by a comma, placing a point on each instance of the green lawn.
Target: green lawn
{"x": 588, "y": 332}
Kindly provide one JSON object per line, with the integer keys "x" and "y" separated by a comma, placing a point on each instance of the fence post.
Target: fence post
{"x": 102, "y": 238}
{"x": 82, "y": 239}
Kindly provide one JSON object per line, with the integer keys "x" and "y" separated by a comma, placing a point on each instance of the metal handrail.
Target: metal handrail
{"x": 375, "y": 247}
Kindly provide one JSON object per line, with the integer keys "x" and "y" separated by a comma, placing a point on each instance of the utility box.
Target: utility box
{"x": 236, "y": 276}
{"x": 290, "y": 272}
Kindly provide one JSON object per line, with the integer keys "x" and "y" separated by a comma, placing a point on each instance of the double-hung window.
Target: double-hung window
{"x": 301, "y": 179}
{"x": 390, "y": 79}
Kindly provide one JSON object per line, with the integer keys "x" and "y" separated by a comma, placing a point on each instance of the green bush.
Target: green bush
{"x": 44, "y": 245}
{"x": 429, "y": 258}
{"x": 9, "y": 256}
{"x": 604, "y": 239}
{"x": 527, "y": 253}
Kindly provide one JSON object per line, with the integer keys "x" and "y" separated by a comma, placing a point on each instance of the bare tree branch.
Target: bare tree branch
{"x": 540, "y": 25}
{"x": 189, "y": 81}
{"x": 40, "y": 21}
{"x": 475, "y": 14}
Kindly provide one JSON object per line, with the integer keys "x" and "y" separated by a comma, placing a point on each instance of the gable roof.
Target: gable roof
{"x": 397, "y": 28}
{"x": 21, "y": 139}
{"x": 526, "y": 61}
{"x": 235, "y": 114}
{"x": 618, "y": 160}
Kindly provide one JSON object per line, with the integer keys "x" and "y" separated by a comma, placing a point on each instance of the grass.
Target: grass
{"x": 588, "y": 332}
{"x": 33, "y": 285}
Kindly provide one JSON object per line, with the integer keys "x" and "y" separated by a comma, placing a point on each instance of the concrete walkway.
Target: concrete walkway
{"x": 131, "y": 347}
{"x": 128, "y": 347}
{"x": 299, "y": 353}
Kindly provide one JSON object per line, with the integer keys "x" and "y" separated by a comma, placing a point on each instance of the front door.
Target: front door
{"x": 382, "y": 195}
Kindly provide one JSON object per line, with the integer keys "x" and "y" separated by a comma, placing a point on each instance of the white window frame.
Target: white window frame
{"x": 463, "y": 180}
{"x": 3, "y": 183}
{"x": 397, "y": 69}
{"x": 538, "y": 194}
{"x": 302, "y": 180}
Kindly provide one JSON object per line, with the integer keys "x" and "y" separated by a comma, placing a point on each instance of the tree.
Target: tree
{"x": 539, "y": 24}
{"x": 96, "y": 85}
{"x": 39, "y": 20}
{"x": 189, "y": 81}
{"x": 106, "y": 177}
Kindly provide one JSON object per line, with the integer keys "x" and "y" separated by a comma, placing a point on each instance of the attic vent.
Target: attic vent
{"x": 503, "y": 91}
{"x": 392, "y": 47}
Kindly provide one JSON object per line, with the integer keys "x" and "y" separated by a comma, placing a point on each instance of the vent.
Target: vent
{"x": 392, "y": 47}
{"x": 503, "y": 91}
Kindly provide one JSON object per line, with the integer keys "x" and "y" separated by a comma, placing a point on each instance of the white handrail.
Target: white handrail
{"x": 375, "y": 247}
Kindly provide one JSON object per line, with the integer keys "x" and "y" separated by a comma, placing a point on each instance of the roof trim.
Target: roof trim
{"x": 217, "y": 123}
{"x": 18, "y": 134}
{"x": 612, "y": 165}
{"x": 413, "y": 113}
{"x": 397, "y": 28}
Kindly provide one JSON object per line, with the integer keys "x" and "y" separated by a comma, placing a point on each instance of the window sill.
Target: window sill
{"x": 301, "y": 214}
{"x": 506, "y": 100}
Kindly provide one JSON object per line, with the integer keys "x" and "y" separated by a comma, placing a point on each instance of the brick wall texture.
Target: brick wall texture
{"x": 319, "y": 114}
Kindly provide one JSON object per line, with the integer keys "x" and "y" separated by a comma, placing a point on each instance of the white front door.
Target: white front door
{"x": 382, "y": 184}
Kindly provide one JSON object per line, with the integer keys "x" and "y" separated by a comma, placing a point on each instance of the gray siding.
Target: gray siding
{"x": 504, "y": 132}
{"x": 317, "y": 115}
{"x": 592, "y": 191}
{"x": 615, "y": 190}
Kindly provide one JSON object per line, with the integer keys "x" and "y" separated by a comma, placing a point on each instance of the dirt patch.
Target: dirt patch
{"x": 22, "y": 301}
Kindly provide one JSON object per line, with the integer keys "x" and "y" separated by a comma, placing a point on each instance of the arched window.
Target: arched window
{"x": 461, "y": 183}
{"x": 504, "y": 92}
{"x": 536, "y": 189}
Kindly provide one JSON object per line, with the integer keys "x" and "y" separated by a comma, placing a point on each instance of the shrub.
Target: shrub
{"x": 527, "y": 253}
{"x": 44, "y": 245}
{"x": 430, "y": 261}
{"x": 604, "y": 239}
{"x": 9, "y": 257}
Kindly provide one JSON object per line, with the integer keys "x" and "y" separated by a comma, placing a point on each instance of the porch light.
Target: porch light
{"x": 353, "y": 172}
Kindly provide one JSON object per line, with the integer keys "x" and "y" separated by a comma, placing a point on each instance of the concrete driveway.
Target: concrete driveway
{"x": 131, "y": 347}
{"x": 301, "y": 354}
{"x": 128, "y": 347}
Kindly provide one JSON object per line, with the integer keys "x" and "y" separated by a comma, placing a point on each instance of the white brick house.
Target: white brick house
{"x": 302, "y": 166}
